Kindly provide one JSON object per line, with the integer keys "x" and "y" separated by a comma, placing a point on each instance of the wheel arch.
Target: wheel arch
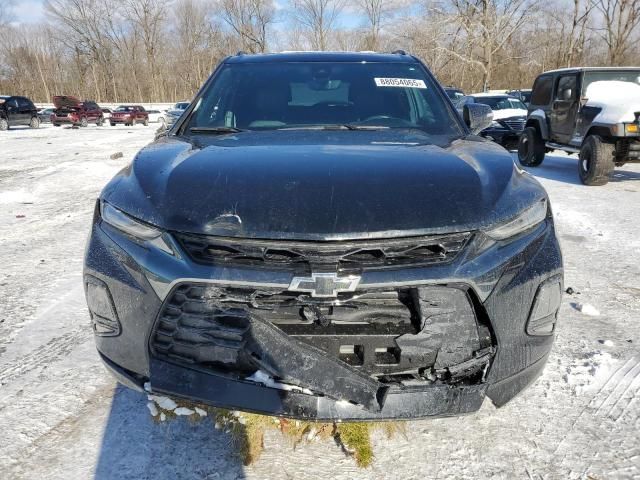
{"x": 538, "y": 120}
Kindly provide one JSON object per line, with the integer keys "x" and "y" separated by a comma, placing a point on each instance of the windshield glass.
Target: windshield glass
{"x": 631, "y": 76}
{"x": 501, "y": 103}
{"x": 271, "y": 96}
{"x": 122, "y": 108}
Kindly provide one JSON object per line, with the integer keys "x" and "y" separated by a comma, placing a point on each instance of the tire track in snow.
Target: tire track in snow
{"x": 44, "y": 355}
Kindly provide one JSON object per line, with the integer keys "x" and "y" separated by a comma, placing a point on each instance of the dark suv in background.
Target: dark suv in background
{"x": 16, "y": 110}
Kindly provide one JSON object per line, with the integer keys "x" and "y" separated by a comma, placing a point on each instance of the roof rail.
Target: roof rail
{"x": 398, "y": 52}
{"x": 241, "y": 52}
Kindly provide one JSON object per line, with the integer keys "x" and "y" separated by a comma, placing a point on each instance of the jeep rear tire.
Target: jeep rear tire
{"x": 531, "y": 148}
{"x": 596, "y": 161}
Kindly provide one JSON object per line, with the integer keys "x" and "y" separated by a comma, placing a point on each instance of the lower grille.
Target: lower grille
{"x": 515, "y": 124}
{"x": 345, "y": 254}
{"x": 391, "y": 335}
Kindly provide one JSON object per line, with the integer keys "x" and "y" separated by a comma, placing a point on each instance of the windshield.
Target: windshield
{"x": 501, "y": 103}
{"x": 272, "y": 96}
{"x": 631, "y": 76}
{"x": 122, "y": 108}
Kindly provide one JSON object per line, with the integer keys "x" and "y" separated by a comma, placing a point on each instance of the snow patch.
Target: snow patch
{"x": 201, "y": 412}
{"x": 590, "y": 372}
{"x": 17, "y": 196}
{"x": 164, "y": 402}
{"x": 587, "y": 309}
{"x": 153, "y": 410}
{"x": 183, "y": 411}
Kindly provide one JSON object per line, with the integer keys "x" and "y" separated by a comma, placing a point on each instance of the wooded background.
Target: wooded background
{"x": 163, "y": 50}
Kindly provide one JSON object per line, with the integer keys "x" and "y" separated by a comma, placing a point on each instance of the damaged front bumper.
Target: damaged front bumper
{"x": 410, "y": 342}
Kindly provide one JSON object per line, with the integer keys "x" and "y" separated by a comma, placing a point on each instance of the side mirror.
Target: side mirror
{"x": 567, "y": 94}
{"x": 477, "y": 116}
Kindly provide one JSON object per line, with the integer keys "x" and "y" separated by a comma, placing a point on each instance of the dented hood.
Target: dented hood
{"x": 321, "y": 185}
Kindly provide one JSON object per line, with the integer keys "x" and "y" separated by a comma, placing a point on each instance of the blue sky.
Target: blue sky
{"x": 32, "y": 11}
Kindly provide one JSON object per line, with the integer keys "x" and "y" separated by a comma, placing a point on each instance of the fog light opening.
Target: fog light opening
{"x": 543, "y": 317}
{"x": 104, "y": 317}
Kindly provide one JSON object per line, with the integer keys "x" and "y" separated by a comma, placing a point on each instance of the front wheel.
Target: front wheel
{"x": 35, "y": 122}
{"x": 4, "y": 124}
{"x": 596, "y": 161}
{"x": 83, "y": 122}
{"x": 531, "y": 148}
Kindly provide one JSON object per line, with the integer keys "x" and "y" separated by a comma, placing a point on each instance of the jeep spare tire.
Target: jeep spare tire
{"x": 531, "y": 148}
{"x": 596, "y": 161}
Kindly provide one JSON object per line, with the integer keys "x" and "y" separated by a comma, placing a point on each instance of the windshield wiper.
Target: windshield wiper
{"x": 221, "y": 129}
{"x": 339, "y": 126}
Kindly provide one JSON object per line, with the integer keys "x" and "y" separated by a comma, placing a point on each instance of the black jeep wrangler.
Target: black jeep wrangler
{"x": 594, "y": 112}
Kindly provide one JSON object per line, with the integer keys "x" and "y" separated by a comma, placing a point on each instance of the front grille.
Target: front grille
{"x": 515, "y": 124}
{"x": 346, "y": 255}
{"x": 386, "y": 334}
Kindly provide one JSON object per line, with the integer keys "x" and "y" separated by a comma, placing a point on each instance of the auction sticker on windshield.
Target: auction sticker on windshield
{"x": 400, "y": 82}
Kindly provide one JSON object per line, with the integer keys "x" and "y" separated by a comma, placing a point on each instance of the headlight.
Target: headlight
{"x": 528, "y": 219}
{"x": 496, "y": 124}
{"x": 134, "y": 228}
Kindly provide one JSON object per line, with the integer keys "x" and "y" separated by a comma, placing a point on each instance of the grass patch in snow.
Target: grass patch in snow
{"x": 247, "y": 430}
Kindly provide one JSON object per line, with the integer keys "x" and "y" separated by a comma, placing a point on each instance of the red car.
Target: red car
{"x": 129, "y": 115}
{"x": 75, "y": 112}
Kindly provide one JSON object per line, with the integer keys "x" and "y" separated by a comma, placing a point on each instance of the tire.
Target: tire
{"x": 596, "y": 161}
{"x": 531, "y": 148}
{"x": 4, "y": 124}
{"x": 34, "y": 123}
{"x": 112, "y": 124}
{"x": 56, "y": 124}
{"x": 146, "y": 122}
{"x": 83, "y": 122}
{"x": 100, "y": 121}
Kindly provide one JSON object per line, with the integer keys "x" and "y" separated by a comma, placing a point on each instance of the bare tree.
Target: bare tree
{"x": 317, "y": 18}
{"x": 621, "y": 19}
{"x": 377, "y": 12}
{"x": 250, "y": 20}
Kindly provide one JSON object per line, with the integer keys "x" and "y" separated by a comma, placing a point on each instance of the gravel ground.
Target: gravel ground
{"x": 62, "y": 416}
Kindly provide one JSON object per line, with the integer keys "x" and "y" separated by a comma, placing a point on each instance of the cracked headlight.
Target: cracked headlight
{"x": 134, "y": 228}
{"x": 528, "y": 219}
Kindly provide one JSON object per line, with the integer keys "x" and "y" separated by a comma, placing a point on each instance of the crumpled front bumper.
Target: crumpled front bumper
{"x": 505, "y": 278}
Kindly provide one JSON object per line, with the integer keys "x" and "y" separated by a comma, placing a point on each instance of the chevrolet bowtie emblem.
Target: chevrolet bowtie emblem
{"x": 324, "y": 284}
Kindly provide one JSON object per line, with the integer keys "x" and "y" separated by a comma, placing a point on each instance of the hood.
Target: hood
{"x": 64, "y": 101}
{"x": 321, "y": 185}
{"x": 619, "y": 101}
{"x": 509, "y": 113}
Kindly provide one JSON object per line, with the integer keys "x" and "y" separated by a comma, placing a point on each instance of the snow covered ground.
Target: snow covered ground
{"x": 62, "y": 416}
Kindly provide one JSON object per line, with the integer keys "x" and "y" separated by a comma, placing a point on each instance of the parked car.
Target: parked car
{"x": 129, "y": 115}
{"x": 591, "y": 111}
{"x": 321, "y": 236}
{"x": 454, "y": 94}
{"x": 106, "y": 114}
{"x": 524, "y": 95}
{"x": 70, "y": 110}
{"x": 173, "y": 114}
{"x": 509, "y": 117}
{"x": 44, "y": 114}
{"x": 154, "y": 116}
{"x": 16, "y": 110}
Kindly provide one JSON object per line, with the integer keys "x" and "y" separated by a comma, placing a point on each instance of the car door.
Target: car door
{"x": 13, "y": 112}
{"x": 564, "y": 108}
{"x": 25, "y": 108}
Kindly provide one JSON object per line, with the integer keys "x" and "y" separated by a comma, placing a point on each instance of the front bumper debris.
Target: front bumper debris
{"x": 412, "y": 341}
